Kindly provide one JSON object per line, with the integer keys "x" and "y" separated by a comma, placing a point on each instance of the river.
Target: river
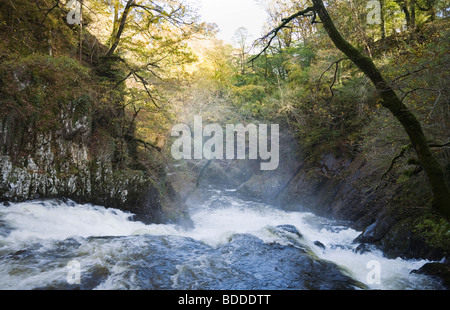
{"x": 234, "y": 245}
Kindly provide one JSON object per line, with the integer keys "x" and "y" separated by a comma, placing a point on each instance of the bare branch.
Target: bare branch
{"x": 124, "y": 79}
{"x": 405, "y": 148}
{"x": 336, "y": 63}
{"x": 148, "y": 145}
{"x": 434, "y": 105}
{"x": 144, "y": 83}
{"x": 50, "y": 10}
{"x": 439, "y": 145}
{"x": 130, "y": 127}
{"x": 425, "y": 67}
{"x": 273, "y": 34}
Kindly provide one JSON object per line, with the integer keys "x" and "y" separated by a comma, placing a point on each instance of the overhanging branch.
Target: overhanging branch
{"x": 144, "y": 83}
{"x": 284, "y": 24}
{"x": 336, "y": 63}
{"x": 147, "y": 145}
{"x": 49, "y": 10}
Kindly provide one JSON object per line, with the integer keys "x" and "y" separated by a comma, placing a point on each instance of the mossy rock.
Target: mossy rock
{"x": 405, "y": 240}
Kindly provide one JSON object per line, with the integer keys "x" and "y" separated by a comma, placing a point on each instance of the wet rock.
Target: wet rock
{"x": 291, "y": 236}
{"x": 319, "y": 245}
{"x": 438, "y": 270}
{"x": 284, "y": 267}
{"x": 362, "y": 248}
{"x": 339, "y": 246}
{"x": 369, "y": 234}
{"x": 216, "y": 173}
{"x": 290, "y": 228}
{"x": 404, "y": 240}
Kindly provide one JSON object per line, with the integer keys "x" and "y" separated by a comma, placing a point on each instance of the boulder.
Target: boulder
{"x": 438, "y": 270}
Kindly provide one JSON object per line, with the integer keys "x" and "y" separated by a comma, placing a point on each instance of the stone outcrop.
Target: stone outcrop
{"x": 67, "y": 163}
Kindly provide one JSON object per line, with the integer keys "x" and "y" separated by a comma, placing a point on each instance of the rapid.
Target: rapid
{"x": 234, "y": 245}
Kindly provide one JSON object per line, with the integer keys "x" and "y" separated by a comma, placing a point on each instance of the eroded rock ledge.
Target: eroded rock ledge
{"x": 65, "y": 163}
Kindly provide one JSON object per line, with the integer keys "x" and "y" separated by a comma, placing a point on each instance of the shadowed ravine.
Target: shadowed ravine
{"x": 234, "y": 244}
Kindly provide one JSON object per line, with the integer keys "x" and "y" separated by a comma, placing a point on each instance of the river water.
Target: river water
{"x": 234, "y": 245}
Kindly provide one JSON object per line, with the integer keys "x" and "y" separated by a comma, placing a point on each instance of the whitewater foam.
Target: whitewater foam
{"x": 23, "y": 225}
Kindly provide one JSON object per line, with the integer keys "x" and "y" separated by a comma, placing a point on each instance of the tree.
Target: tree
{"x": 145, "y": 13}
{"x": 119, "y": 26}
{"x": 432, "y": 168}
{"x": 143, "y": 58}
{"x": 241, "y": 37}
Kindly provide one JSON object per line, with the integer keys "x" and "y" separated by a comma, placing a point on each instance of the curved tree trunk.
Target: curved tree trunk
{"x": 432, "y": 168}
{"x": 116, "y": 35}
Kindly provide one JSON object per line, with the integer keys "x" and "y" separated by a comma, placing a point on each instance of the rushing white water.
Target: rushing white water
{"x": 56, "y": 220}
{"x": 214, "y": 226}
{"x": 30, "y": 231}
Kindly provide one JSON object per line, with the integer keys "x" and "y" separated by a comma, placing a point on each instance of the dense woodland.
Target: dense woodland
{"x": 142, "y": 66}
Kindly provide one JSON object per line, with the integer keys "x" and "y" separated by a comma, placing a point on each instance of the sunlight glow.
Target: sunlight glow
{"x": 229, "y": 15}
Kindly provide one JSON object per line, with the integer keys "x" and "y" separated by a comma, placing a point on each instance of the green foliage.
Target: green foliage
{"x": 29, "y": 27}
{"x": 436, "y": 232}
{"x": 36, "y": 87}
{"x": 249, "y": 94}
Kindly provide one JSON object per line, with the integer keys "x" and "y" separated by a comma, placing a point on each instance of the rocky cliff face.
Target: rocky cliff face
{"x": 64, "y": 163}
{"x": 64, "y": 129}
{"x": 57, "y": 141}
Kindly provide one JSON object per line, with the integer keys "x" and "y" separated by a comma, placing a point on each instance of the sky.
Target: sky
{"x": 229, "y": 15}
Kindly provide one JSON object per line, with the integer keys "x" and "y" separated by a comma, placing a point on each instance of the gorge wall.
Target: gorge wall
{"x": 67, "y": 163}
{"x": 65, "y": 132}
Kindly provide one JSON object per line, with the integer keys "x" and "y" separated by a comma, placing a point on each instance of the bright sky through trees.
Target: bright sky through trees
{"x": 229, "y": 15}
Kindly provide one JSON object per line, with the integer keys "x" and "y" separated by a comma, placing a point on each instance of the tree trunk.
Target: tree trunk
{"x": 81, "y": 31}
{"x": 116, "y": 36}
{"x": 408, "y": 7}
{"x": 404, "y": 7}
{"x": 412, "y": 13}
{"x": 432, "y": 168}
{"x": 383, "y": 22}
{"x": 116, "y": 6}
